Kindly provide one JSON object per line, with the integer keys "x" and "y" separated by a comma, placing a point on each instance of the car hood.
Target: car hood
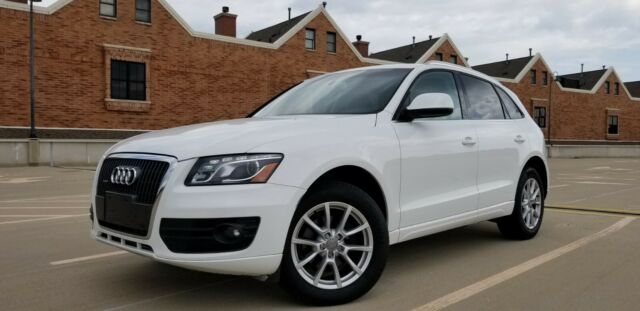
{"x": 237, "y": 136}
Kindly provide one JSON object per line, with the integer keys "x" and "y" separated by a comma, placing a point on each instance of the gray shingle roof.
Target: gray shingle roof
{"x": 504, "y": 69}
{"x": 273, "y": 33}
{"x": 634, "y": 88}
{"x": 406, "y": 54}
{"x": 582, "y": 80}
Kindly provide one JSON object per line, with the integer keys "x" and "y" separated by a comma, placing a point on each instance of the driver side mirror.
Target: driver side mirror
{"x": 428, "y": 105}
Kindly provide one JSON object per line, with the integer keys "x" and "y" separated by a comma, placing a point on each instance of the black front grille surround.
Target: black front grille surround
{"x": 129, "y": 208}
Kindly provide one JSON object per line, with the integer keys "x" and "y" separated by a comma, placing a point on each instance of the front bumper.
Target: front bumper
{"x": 274, "y": 204}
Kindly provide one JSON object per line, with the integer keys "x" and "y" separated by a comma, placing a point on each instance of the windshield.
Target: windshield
{"x": 351, "y": 92}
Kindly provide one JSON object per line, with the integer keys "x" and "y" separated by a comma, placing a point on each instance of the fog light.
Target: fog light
{"x": 228, "y": 233}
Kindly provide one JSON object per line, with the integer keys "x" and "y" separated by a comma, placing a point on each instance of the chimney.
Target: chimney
{"x": 414, "y": 41}
{"x": 604, "y": 67}
{"x": 530, "y": 52}
{"x": 361, "y": 46}
{"x": 507, "y": 58}
{"x": 324, "y": 4}
{"x": 289, "y": 13}
{"x": 430, "y": 37}
{"x": 581, "y": 68}
{"x": 225, "y": 23}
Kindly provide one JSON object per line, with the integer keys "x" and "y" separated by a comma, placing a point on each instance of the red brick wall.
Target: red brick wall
{"x": 190, "y": 79}
{"x": 577, "y": 115}
{"x": 447, "y": 51}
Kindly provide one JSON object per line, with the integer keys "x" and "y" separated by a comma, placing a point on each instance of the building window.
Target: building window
{"x": 532, "y": 77}
{"x": 128, "y": 80}
{"x": 607, "y": 87}
{"x": 616, "y": 89}
{"x": 108, "y": 8}
{"x": 439, "y": 56}
{"x": 545, "y": 78}
{"x": 453, "y": 59}
{"x": 612, "y": 125}
{"x": 143, "y": 11}
{"x": 540, "y": 116}
{"x": 331, "y": 42}
{"x": 310, "y": 39}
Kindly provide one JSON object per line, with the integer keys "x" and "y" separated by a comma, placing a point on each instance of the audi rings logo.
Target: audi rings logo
{"x": 125, "y": 175}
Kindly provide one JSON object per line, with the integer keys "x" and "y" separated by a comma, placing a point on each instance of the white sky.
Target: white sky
{"x": 566, "y": 32}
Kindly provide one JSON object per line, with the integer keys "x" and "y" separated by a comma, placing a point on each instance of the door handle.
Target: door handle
{"x": 468, "y": 141}
{"x": 519, "y": 139}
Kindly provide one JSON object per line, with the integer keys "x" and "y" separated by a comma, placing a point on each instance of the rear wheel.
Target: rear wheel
{"x": 524, "y": 223}
{"x": 336, "y": 247}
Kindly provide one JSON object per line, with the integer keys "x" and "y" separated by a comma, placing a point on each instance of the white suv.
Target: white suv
{"x": 315, "y": 185}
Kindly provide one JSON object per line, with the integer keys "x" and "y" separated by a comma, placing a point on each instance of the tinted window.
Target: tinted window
{"x": 352, "y": 92}
{"x": 512, "y": 109}
{"x": 483, "y": 102}
{"x": 437, "y": 82}
{"x": 128, "y": 80}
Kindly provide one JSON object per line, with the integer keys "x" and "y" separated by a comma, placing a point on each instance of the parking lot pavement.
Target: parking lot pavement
{"x": 580, "y": 260}
{"x": 595, "y": 183}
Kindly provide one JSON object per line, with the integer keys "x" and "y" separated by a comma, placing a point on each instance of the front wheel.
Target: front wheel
{"x": 336, "y": 247}
{"x": 525, "y": 221}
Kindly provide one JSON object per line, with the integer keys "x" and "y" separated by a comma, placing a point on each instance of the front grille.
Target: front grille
{"x": 128, "y": 208}
{"x": 145, "y": 188}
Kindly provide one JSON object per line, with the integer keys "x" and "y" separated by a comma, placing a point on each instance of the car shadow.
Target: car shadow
{"x": 192, "y": 289}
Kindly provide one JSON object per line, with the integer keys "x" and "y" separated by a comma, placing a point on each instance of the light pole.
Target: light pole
{"x": 32, "y": 84}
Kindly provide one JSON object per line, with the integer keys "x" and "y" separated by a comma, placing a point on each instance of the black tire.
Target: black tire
{"x": 349, "y": 194}
{"x": 514, "y": 226}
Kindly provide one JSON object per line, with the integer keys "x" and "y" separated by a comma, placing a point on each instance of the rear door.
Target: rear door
{"x": 501, "y": 141}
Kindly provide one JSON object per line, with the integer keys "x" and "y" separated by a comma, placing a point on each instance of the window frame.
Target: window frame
{"x": 114, "y": 5}
{"x": 454, "y": 58}
{"x": 404, "y": 104}
{"x": 610, "y": 117}
{"x": 334, "y": 43}
{"x": 545, "y": 78}
{"x": 128, "y": 81}
{"x": 616, "y": 89}
{"x": 504, "y": 105}
{"x": 439, "y": 56}
{"x": 607, "y": 87}
{"x": 536, "y": 117}
{"x": 533, "y": 77}
{"x": 312, "y": 40}
{"x": 142, "y": 10}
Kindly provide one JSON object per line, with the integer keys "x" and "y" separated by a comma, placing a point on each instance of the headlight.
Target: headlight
{"x": 233, "y": 169}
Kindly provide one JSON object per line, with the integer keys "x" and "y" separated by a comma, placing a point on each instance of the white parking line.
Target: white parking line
{"x": 86, "y": 258}
{"x": 557, "y": 186}
{"x": 510, "y": 273}
{"x": 41, "y": 219}
{"x": 601, "y": 195}
{"x": 601, "y": 183}
{"x": 44, "y": 207}
{"x": 46, "y": 198}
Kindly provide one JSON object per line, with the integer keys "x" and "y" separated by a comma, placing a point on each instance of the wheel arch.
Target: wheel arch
{"x": 537, "y": 163}
{"x": 358, "y": 177}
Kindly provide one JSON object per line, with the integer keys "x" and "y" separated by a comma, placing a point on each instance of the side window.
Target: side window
{"x": 510, "y": 105}
{"x": 483, "y": 102}
{"x": 437, "y": 82}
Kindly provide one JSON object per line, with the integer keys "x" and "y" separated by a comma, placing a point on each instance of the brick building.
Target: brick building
{"x": 109, "y": 69}
{"x": 105, "y": 64}
{"x": 584, "y": 107}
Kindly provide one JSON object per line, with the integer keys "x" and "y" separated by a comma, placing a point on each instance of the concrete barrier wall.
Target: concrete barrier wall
{"x": 15, "y": 152}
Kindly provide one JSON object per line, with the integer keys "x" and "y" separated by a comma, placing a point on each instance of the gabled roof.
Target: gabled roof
{"x": 406, "y": 54}
{"x": 507, "y": 69}
{"x": 273, "y": 33}
{"x": 633, "y": 88}
{"x": 582, "y": 80}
